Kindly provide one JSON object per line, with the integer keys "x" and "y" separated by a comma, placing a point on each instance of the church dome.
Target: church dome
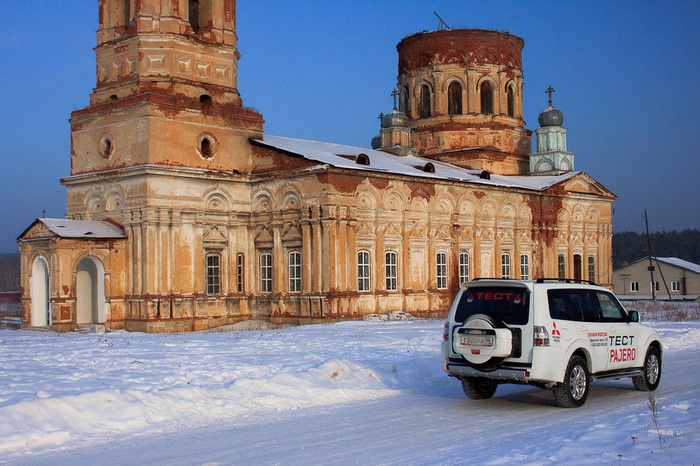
{"x": 551, "y": 117}
{"x": 377, "y": 142}
{"x": 395, "y": 119}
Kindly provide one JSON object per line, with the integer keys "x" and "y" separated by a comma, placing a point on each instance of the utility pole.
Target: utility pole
{"x": 651, "y": 264}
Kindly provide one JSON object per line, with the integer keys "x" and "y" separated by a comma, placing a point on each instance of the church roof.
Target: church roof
{"x": 76, "y": 229}
{"x": 341, "y": 156}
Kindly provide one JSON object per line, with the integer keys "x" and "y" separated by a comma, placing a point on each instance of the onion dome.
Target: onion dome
{"x": 377, "y": 142}
{"x": 551, "y": 117}
{"x": 395, "y": 119}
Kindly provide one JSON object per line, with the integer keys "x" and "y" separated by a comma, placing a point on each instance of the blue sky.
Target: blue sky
{"x": 625, "y": 74}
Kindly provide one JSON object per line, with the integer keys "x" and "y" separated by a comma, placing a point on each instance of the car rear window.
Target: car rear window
{"x": 509, "y": 304}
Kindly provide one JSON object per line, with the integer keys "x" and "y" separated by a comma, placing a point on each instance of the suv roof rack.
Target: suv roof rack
{"x": 566, "y": 280}
{"x": 494, "y": 278}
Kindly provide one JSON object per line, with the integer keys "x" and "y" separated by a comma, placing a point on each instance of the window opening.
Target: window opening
{"x": 295, "y": 272}
{"x": 363, "y": 271}
{"x": 675, "y": 286}
{"x": 206, "y": 148}
{"x": 362, "y": 159}
{"x": 454, "y": 99}
{"x": 194, "y": 14}
{"x": 424, "y": 102}
{"x": 511, "y": 102}
{"x": 213, "y": 274}
{"x": 561, "y": 263}
{"x": 578, "y": 273}
{"x": 266, "y": 273}
{"x": 486, "y": 98}
{"x": 591, "y": 268}
{"x": 441, "y": 270}
{"x": 524, "y": 267}
{"x": 391, "y": 271}
{"x": 240, "y": 268}
{"x": 405, "y": 102}
{"x": 463, "y": 268}
{"x": 505, "y": 265}
{"x": 634, "y": 287}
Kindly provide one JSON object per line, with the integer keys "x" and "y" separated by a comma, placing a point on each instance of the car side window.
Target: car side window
{"x": 590, "y": 307}
{"x": 610, "y": 308}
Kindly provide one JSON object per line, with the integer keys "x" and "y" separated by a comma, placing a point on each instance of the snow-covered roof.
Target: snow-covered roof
{"x": 341, "y": 156}
{"x": 680, "y": 263}
{"x": 83, "y": 228}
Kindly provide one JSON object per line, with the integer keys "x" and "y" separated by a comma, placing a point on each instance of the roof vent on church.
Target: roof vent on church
{"x": 205, "y": 99}
{"x": 362, "y": 159}
{"x": 485, "y": 175}
{"x": 429, "y": 168}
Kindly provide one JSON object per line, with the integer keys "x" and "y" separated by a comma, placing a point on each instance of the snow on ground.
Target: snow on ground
{"x": 370, "y": 392}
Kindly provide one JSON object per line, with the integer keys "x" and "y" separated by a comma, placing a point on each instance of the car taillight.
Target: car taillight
{"x": 540, "y": 336}
{"x": 446, "y": 331}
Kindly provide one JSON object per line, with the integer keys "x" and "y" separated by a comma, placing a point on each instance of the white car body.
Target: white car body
{"x": 525, "y": 341}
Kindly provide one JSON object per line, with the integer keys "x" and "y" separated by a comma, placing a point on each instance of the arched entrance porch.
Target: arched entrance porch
{"x": 90, "y": 291}
{"x": 39, "y": 286}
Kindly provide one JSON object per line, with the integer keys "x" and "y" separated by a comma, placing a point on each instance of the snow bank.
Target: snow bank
{"x": 60, "y": 390}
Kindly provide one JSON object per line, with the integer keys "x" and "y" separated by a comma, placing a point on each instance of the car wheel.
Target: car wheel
{"x": 478, "y": 388}
{"x": 572, "y": 393}
{"x": 652, "y": 372}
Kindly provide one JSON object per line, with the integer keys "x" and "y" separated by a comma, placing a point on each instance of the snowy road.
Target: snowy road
{"x": 404, "y": 412}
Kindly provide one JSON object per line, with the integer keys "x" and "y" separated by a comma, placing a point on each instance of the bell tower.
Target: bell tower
{"x": 166, "y": 91}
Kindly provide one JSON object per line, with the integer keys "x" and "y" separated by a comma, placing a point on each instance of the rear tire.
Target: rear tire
{"x": 478, "y": 388}
{"x": 574, "y": 391}
{"x": 652, "y": 372}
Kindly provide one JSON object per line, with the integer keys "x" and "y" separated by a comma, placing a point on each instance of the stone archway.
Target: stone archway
{"x": 90, "y": 291}
{"x": 39, "y": 285}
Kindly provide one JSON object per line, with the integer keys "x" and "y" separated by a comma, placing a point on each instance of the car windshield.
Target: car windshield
{"x": 508, "y": 304}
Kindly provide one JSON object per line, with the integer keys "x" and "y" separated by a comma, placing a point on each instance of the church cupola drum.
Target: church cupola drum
{"x": 462, "y": 91}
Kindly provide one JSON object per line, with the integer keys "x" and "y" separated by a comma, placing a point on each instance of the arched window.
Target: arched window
{"x": 424, "y": 102}
{"x": 511, "y": 101}
{"x": 524, "y": 267}
{"x": 362, "y": 159}
{"x": 213, "y": 274}
{"x": 405, "y": 102}
{"x": 295, "y": 272}
{"x": 363, "y": 271}
{"x": 505, "y": 265}
{"x": 486, "y": 98}
{"x": 454, "y": 98}
{"x": 463, "y": 267}
{"x": 194, "y": 14}
{"x": 391, "y": 271}
{"x": 441, "y": 260}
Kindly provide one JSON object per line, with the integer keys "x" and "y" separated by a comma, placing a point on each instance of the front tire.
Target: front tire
{"x": 652, "y": 372}
{"x": 478, "y": 388}
{"x": 574, "y": 391}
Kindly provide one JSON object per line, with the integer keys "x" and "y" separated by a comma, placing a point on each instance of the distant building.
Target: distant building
{"x": 182, "y": 214}
{"x": 633, "y": 281}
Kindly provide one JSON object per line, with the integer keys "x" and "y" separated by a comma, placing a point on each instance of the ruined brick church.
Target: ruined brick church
{"x": 183, "y": 215}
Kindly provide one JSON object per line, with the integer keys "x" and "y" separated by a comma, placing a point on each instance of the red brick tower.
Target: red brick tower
{"x": 462, "y": 92}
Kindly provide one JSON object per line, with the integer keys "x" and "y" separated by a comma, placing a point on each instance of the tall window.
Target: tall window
{"x": 454, "y": 98}
{"x": 441, "y": 270}
{"x": 363, "y": 271}
{"x": 511, "y": 101}
{"x": 405, "y": 102}
{"x": 391, "y": 271}
{"x": 578, "y": 273}
{"x": 524, "y": 267}
{"x": 463, "y": 267}
{"x": 591, "y": 268}
{"x": 505, "y": 265}
{"x": 266, "y": 273}
{"x": 194, "y": 14}
{"x": 295, "y": 272}
{"x": 240, "y": 269}
{"x": 213, "y": 273}
{"x": 561, "y": 263}
{"x": 424, "y": 102}
{"x": 486, "y": 98}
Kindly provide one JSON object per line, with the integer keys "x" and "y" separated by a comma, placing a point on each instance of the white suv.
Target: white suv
{"x": 553, "y": 334}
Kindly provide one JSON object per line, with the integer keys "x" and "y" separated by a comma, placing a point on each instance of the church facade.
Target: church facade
{"x": 183, "y": 215}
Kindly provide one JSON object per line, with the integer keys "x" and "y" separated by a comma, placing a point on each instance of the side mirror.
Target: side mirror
{"x": 633, "y": 316}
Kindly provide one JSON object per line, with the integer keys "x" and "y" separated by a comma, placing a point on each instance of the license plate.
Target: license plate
{"x": 476, "y": 340}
